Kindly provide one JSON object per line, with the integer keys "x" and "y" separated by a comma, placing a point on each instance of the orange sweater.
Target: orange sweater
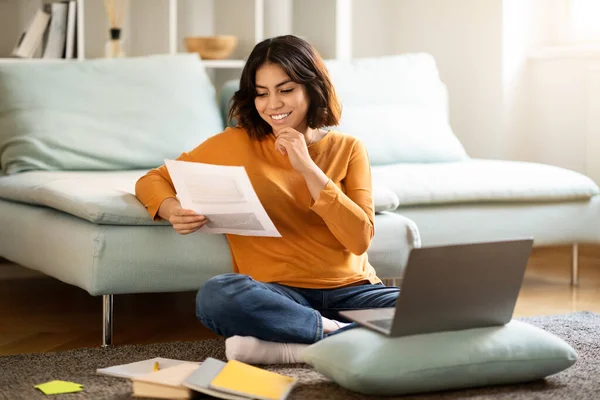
{"x": 324, "y": 242}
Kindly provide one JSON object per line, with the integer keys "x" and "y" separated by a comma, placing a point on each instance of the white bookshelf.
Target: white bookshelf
{"x": 343, "y": 42}
{"x": 224, "y": 63}
{"x": 80, "y": 29}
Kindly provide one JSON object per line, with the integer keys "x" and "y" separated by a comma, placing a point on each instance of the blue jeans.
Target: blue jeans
{"x": 235, "y": 304}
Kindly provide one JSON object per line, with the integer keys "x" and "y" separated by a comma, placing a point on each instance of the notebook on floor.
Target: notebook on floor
{"x": 235, "y": 380}
{"x": 200, "y": 380}
{"x": 165, "y": 383}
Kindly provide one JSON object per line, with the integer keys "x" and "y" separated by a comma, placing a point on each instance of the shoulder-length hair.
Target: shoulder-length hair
{"x": 303, "y": 65}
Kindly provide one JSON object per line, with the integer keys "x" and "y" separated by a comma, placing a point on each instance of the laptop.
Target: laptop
{"x": 448, "y": 288}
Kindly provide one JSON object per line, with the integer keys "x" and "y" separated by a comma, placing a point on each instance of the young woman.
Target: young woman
{"x": 315, "y": 185}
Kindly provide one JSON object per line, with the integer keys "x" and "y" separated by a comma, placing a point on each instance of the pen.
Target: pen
{"x": 156, "y": 368}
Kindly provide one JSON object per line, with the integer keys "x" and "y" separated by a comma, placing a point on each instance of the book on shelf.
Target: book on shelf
{"x": 53, "y": 30}
{"x": 57, "y": 30}
{"x": 71, "y": 29}
{"x": 31, "y": 38}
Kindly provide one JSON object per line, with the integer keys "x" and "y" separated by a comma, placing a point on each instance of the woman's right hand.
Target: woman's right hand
{"x": 184, "y": 221}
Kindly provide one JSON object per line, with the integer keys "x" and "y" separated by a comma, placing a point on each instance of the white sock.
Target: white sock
{"x": 251, "y": 350}
{"x": 331, "y": 325}
{"x": 341, "y": 324}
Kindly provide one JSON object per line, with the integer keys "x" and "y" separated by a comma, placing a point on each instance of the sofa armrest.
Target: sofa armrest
{"x": 395, "y": 236}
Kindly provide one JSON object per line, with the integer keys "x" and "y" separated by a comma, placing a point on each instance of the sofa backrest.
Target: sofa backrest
{"x": 105, "y": 114}
{"x": 397, "y": 105}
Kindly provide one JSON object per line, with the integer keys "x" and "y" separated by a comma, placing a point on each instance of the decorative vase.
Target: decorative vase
{"x": 114, "y": 46}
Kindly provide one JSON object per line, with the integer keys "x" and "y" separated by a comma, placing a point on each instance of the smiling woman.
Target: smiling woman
{"x": 316, "y": 187}
{"x": 278, "y": 81}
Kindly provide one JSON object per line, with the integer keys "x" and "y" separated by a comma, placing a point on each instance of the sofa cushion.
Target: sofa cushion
{"x": 395, "y": 235}
{"x": 105, "y": 114}
{"x": 384, "y": 199}
{"x": 482, "y": 180}
{"x": 370, "y": 363}
{"x": 549, "y": 223}
{"x": 101, "y": 197}
{"x": 104, "y": 197}
{"x": 397, "y": 105}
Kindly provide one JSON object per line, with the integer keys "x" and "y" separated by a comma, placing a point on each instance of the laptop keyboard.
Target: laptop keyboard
{"x": 382, "y": 323}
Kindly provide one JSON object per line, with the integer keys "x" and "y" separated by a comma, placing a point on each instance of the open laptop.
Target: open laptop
{"x": 454, "y": 287}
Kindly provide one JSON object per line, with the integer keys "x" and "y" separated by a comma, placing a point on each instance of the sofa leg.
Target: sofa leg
{"x": 107, "y": 319}
{"x": 575, "y": 265}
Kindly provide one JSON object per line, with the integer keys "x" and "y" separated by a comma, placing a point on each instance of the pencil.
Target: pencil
{"x": 156, "y": 368}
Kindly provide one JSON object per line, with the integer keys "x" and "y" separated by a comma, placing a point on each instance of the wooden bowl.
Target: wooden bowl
{"x": 211, "y": 47}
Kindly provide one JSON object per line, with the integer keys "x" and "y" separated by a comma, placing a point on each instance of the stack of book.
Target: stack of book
{"x": 53, "y": 30}
{"x": 176, "y": 379}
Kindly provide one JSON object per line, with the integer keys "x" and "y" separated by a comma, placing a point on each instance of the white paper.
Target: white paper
{"x": 224, "y": 194}
{"x": 140, "y": 368}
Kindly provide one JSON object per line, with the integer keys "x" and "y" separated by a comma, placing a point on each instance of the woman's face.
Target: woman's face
{"x": 280, "y": 101}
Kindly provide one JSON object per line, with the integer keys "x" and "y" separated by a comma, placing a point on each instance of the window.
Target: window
{"x": 584, "y": 21}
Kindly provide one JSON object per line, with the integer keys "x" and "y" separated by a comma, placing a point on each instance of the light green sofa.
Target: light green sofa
{"x": 75, "y": 137}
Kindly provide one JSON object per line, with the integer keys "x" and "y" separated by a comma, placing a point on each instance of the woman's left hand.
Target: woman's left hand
{"x": 291, "y": 142}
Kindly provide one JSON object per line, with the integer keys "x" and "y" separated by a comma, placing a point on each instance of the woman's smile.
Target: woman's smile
{"x": 280, "y": 118}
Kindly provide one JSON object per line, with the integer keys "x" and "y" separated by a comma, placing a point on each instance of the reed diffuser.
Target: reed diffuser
{"x": 115, "y": 10}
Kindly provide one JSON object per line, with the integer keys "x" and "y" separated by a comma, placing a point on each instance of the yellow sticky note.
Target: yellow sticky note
{"x": 58, "y": 387}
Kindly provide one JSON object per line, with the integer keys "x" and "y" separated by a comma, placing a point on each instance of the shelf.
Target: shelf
{"x": 34, "y": 60}
{"x": 343, "y": 32}
{"x": 224, "y": 63}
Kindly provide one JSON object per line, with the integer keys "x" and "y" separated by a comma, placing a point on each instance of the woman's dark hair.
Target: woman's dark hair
{"x": 304, "y": 65}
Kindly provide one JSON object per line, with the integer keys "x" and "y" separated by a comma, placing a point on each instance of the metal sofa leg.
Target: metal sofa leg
{"x": 107, "y": 319}
{"x": 575, "y": 265}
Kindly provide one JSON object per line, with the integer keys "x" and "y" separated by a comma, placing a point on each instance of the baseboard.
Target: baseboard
{"x": 10, "y": 270}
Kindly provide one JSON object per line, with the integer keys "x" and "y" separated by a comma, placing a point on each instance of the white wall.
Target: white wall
{"x": 14, "y": 16}
{"x": 314, "y": 20}
{"x": 374, "y": 28}
{"x": 525, "y": 26}
{"x": 562, "y": 128}
{"x": 465, "y": 37}
{"x": 550, "y": 101}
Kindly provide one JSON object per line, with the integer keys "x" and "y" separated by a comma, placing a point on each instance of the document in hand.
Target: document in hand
{"x": 235, "y": 380}
{"x": 224, "y": 194}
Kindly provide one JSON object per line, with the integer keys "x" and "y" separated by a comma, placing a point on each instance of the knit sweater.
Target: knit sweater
{"x": 324, "y": 242}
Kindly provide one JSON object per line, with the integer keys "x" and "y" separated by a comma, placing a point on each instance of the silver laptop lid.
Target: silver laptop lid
{"x": 460, "y": 286}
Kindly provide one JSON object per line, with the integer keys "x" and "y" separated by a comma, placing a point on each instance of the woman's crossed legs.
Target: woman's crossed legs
{"x": 268, "y": 322}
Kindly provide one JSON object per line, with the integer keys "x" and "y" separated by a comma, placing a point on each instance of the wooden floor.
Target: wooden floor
{"x": 42, "y": 314}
